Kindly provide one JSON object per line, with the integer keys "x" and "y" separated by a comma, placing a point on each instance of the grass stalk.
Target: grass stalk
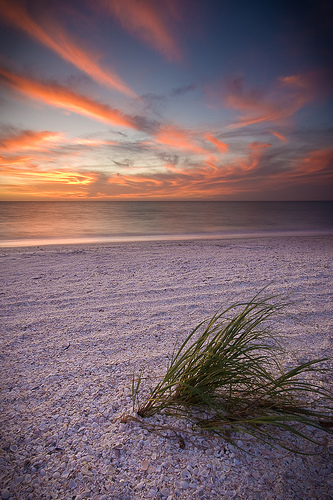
{"x": 227, "y": 377}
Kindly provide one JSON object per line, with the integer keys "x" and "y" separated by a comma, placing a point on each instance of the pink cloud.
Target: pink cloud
{"x": 222, "y": 147}
{"x": 205, "y": 180}
{"x": 208, "y": 179}
{"x": 60, "y": 96}
{"x": 150, "y": 21}
{"x": 14, "y": 142}
{"x": 29, "y": 140}
{"x": 174, "y": 137}
{"x": 288, "y": 95}
{"x": 278, "y": 135}
{"x": 318, "y": 163}
{"x": 53, "y": 36}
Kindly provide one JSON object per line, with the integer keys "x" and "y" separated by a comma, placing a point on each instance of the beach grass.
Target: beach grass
{"x": 227, "y": 377}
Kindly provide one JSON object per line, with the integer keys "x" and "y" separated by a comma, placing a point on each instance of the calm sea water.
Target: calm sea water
{"x": 38, "y": 223}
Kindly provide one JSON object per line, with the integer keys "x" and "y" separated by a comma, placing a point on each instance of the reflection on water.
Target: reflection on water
{"x": 105, "y": 221}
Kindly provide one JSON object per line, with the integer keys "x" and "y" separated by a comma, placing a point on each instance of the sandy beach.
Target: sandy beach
{"x": 78, "y": 320}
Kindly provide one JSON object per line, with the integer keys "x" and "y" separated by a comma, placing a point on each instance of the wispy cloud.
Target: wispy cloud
{"x": 278, "y": 135}
{"x": 207, "y": 179}
{"x": 29, "y": 174}
{"x": 33, "y": 184}
{"x": 61, "y": 96}
{"x": 14, "y": 160}
{"x": 90, "y": 143}
{"x": 222, "y": 147}
{"x": 23, "y": 176}
{"x": 174, "y": 137}
{"x": 280, "y": 103}
{"x": 50, "y": 34}
{"x": 150, "y": 21}
{"x": 252, "y": 161}
{"x": 316, "y": 164}
{"x": 180, "y": 91}
{"x": 173, "y": 159}
{"x": 19, "y": 140}
{"x": 126, "y": 163}
{"x": 16, "y": 141}
{"x": 257, "y": 170}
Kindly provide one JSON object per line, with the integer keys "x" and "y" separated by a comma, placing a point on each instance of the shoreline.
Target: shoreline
{"x": 98, "y": 240}
{"x": 78, "y": 319}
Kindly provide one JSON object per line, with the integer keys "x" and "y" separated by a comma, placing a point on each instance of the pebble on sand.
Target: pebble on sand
{"x": 145, "y": 465}
{"x": 72, "y": 484}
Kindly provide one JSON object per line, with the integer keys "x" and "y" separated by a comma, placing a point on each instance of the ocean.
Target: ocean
{"x": 48, "y": 222}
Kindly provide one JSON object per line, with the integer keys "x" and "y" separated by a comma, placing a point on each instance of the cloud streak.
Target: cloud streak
{"x": 253, "y": 172}
{"x": 60, "y": 96}
{"x": 279, "y": 135}
{"x": 14, "y": 141}
{"x": 29, "y": 140}
{"x": 290, "y": 94}
{"x": 316, "y": 164}
{"x": 55, "y": 38}
{"x": 174, "y": 137}
{"x": 222, "y": 147}
{"x": 150, "y": 21}
{"x": 217, "y": 181}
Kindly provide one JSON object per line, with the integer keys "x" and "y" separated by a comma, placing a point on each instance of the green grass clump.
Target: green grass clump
{"x": 227, "y": 377}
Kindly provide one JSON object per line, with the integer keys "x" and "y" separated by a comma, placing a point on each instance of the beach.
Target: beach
{"x": 79, "y": 320}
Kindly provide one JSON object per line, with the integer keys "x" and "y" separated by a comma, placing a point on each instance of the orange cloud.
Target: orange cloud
{"x": 23, "y": 170}
{"x": 318, "y": 163}
{"x": 46, "y": 149}
{"x": 29, "y": 140}
{"x": 181, "y": 185}
{"x": 221, "y": 146}
{"x": 37, "y": 176}
{"x": 127, "y": 180}
{"x": 311, "y": 174}
{"x": 251, "y": 162}
{"x": 14, "y": 160}
{"x": 46, "y": 185}
{"x": 179, "y": 139}
{"x": 150, "y": 21}
{"x": 91, "y": 142}
{"x": 290, "y": 95}
{"x": 294, "y": 81}
{"x": 207, "y": 179}
{"x": 204, "y": 180}
{"x": 61, "y": 97}
{"x": 279, "y": 135}
{"x": 15, "y": 13}
{"x": 259, "y": 145}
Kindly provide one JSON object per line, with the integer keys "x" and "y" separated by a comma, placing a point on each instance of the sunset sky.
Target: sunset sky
{"x": 166, "y": 99}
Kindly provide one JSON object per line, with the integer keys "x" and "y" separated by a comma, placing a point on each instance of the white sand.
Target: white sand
{"x": 77, "y": 320}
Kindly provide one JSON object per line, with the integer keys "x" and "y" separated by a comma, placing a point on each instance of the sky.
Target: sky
{"x": 166, "y": 100}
